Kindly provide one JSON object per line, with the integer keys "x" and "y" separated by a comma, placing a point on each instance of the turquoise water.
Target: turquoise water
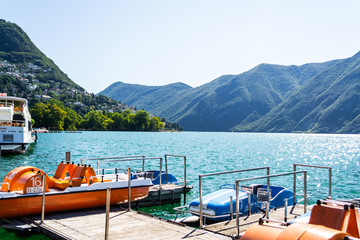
{"x": 211, "y": 152}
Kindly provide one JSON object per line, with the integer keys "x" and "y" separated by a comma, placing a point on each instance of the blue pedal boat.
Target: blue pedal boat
{"x": 216, "y": 205}
{"x": 154, "y": 175}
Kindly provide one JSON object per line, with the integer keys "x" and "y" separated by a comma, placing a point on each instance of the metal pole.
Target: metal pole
{"x": 143, "y": 164}
{"x": 68, "y": 157}
{"x": 98, "y": 170}
{"x": 286, "y": 206}
{"x": 329, "y": 182}
{"x": 200, "y": 204}
{"x": 160, "y": 173}
{"x": 160, "y": 181}
{"x": 294, "y": 198}
{"x": 268, "y": 185}
{"x": 237, "y": 210}
{"x": 185, "y": 184}
{"x": 129, "y": 190}
{"x": 249, "y": 203}
{"x": 108, "y": 191}
{"x": 231, "y": 208}
{"x": 305, "y": 180}
{"x": 43, "y": 199}
{"x": 267, "y": 210}
{"x": 166, "y": 170}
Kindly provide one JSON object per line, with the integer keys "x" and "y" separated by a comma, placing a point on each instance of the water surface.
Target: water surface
{"x": 211, "y": 152}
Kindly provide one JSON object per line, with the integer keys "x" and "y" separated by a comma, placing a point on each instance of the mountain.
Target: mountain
{"x": 146, "y": 97}
{"x": 327, "y": 103}
{"x": 230, "y": 101}
{"x": 27, "y": 72}
{"x": 17, "y": 48}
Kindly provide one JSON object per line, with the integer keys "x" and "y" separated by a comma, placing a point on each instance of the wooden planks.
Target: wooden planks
{"x": 90, "y": 224}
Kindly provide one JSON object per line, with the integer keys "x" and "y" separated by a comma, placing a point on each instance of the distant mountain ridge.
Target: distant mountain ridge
{"x": 267, "y": 98}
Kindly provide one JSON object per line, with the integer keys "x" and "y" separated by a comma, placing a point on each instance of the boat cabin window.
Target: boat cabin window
{"x": 18, "y": 106}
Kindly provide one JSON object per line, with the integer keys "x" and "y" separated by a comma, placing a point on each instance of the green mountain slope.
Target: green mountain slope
{"x": 229, "y": 100}
{"x": 26, "y": 72}
{"x": 146, "y": 97}
{"x": 327, "y": 103}
{"x": 17, "y": 48}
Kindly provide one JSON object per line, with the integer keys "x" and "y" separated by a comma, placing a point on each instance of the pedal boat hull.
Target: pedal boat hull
{"x": 21, "y": 192}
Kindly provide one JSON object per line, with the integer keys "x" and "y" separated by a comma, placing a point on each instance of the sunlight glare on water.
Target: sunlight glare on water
{"x": 209, "y": 152}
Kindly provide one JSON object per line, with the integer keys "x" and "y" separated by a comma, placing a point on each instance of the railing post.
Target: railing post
{"x": 231, "y": 208}
{"x": 200, "y": 203}
{"x": 285, "y": 213}
{"x": 249, "y": 203}
{"x": 160, "y": 181}
{"x": 68, "y": 157}
{"x": 329, "y": 182}
{"x": 268, "y": 184}
{"x": 97, "y": 164}
{"x": 305, "y": 190}
{"x": 129, "y": 190}
{"x": 143, "y": 164}
{"x": 166, "y": 170}
{"x": 294, "y": 198}
{"x": 43, "y": 198}
{"x": 237, "y": 210}
{"x": 108, "y": 195}
{"x": 185, "y": 183}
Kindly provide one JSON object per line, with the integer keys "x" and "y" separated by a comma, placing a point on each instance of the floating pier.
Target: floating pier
{"x": 123, "y": 224}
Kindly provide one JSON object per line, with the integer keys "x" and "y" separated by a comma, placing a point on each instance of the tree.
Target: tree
{"x": 142, "y": 120}
{"x": 156, "y": 124}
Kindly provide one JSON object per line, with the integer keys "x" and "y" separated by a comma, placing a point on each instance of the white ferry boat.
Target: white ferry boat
{"x": 15, "y": 124}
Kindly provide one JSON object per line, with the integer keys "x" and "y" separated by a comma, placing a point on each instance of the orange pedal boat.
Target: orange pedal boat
{"x": 72, "y": 187}
{"x": 329, "y": 220}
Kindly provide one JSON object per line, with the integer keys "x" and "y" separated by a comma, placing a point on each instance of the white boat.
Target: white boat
{"x": 15, "y": 124}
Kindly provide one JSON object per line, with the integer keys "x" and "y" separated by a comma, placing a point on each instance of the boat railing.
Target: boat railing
{"x": 313, "y": 166}
{"x": 13, "y": 123}
{"x": 106, "y": 159}
{"x": 127, "y": 158}
{"x": 8, "y": 185}
{"x": 201, "y": 176}
{"x": 143, "y": 159}
{"x": 238, "y": 181}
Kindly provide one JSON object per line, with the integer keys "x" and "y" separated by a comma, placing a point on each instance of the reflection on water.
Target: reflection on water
{"x": 211, "y": 152}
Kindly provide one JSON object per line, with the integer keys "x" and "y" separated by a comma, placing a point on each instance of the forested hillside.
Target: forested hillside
{"x": 314, "y": 97}
{"x": 56, "y": 102}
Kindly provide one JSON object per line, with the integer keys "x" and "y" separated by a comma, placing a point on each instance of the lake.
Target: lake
{"x": 208, "y": 152}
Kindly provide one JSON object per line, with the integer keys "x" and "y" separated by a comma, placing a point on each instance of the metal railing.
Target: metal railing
{"x": 268, "y": 187}
{"x": 107, "y": 159}
{"x": 312, "y": 166}
{"x": 166, "y": 171}
{"x": 221, "y": 173}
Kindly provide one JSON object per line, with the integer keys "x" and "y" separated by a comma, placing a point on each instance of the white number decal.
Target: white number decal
{"x": 36, "y": 182}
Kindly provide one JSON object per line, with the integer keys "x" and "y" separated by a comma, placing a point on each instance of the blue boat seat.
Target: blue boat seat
{"x": 262, "y": 194}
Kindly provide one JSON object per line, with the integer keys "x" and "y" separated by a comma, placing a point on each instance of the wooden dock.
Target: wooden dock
{"x": 228, "y": 228}
{"x": 90, "y": 224}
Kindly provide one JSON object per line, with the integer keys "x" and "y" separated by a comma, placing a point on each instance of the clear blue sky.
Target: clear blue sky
{"x": 157, "y": 42}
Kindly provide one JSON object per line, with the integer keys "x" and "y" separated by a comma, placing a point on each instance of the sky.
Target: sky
{"x": 158, "y": 42}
